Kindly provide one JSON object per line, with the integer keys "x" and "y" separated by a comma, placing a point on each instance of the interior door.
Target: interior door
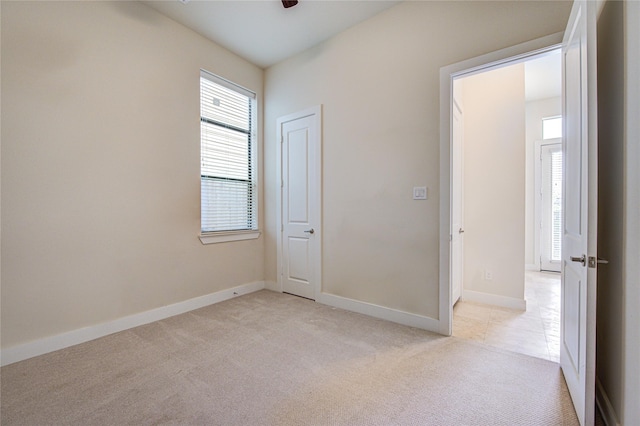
{"x": 577, "y": 349}
{"x": 551, "y": 206}
{"x": 300, "y": 203}
{"x": 457, "y": 197}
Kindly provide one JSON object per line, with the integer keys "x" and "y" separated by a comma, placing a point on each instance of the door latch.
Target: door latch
{"x": 593, "y": 261}
{"x": 582, "y": 259}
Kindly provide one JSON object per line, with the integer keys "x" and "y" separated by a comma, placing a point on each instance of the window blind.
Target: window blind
{"x": 556, "y": 205}
{"x": 228, "y": 195}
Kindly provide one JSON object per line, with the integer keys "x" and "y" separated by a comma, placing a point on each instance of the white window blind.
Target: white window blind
{"x": 227, "y": 175}
{"x": 556, "y": 205}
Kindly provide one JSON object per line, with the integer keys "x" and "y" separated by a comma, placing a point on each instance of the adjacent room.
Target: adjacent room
{"x": 508, "y": 125}
{"x": 240, "y": 213}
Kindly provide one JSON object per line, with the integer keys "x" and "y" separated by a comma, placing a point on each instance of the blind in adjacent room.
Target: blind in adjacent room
{"x": 556, "y": 205}
{"x": 228, "y": 195}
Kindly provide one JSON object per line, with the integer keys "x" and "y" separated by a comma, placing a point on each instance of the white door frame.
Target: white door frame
{"x": 316, "y": 113}
{"x": 448, "y": 74}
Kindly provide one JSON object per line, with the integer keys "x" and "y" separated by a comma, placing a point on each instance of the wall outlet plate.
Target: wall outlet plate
{"x": 419, "y": 192}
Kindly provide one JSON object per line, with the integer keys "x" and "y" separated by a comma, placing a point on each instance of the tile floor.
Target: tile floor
{"x": 535, "y": 332}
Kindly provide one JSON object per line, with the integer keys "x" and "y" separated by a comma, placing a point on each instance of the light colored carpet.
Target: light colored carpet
{"x": 275, "y": 359}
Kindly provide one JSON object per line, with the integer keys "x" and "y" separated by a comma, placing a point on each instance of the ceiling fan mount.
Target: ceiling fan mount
{"x": 289, "y": 3}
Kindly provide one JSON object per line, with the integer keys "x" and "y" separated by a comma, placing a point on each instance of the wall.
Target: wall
{"x": 494, "y": 183}
{"x": 100, "y": 167}
{"x": 631, "y": 351}
{"x": 618, "y": 339}
{"x": 378, "y": 83}
{"x": 610, "y": 201}
{"x": 535, "y": 111}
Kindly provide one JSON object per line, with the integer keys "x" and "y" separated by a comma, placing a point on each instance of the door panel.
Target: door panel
{"x": 577, "y": 349}
{"x": 298, "y": 260}
{"x": 298, "y": 176}
{"x": 299, "y": 246}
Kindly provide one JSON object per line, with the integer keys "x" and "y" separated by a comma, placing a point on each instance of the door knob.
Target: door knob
{"x": 310, "y": 231}
{"x": 460, "y": 231}
{"x": 582, "y": 259}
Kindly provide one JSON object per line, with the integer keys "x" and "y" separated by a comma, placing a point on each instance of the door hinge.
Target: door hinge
{"x": 281, "y": 228}
{"x": 282, "y": 184}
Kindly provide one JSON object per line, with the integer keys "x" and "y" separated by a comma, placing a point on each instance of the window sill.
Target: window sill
{"x": 225, "y": 237}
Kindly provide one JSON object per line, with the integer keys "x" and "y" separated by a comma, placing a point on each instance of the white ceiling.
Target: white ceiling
{"x": 264, "y": 32}
{"x": 543, "y": 77}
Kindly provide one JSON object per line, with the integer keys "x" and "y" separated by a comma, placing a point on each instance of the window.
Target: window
{"x": 228, "y": 197}
{"x": 552, "y": 128}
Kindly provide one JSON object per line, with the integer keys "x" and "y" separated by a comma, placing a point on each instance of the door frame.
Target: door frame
{"x": 487, "y": 62}
{"x": 316, "y": 113}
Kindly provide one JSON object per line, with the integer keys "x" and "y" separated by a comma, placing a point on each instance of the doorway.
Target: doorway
{"x": 505, "y": 300}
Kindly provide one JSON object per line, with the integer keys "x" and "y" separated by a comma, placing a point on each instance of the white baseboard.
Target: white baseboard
{"x": 494, "y": 299}
{"x": 531, "y": 267}
{"x": 71, "y": 338}
{"x": 604, "y": 405}
{"x": 376, "y": 311}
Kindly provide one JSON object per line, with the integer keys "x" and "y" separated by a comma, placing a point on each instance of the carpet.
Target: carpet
{"x": 275, "y": 359}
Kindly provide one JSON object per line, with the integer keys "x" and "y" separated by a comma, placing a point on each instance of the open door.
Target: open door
{"x": 578, "y": 325}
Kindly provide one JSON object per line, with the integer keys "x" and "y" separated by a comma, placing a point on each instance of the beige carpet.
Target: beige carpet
{"x": 274, "y": 359}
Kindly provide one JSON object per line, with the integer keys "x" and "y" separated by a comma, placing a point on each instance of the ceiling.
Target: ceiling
{"x": 264, "y": 32}
{"x": 543, "y": 77}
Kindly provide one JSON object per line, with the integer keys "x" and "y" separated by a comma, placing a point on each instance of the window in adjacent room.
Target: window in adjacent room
{"x": 552, "y": 128}
{"x": 228, "y": 156}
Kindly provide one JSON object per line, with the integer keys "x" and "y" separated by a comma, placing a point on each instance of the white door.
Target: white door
{"x": 551, "y": 207}
{"x": 457, "y": 209}
{"x": 299, "y": 245}
{"x": 577, "y": 349}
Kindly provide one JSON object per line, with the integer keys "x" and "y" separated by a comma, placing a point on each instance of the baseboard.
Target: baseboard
{"x": 71, "y": 338}
{"x": 376, "y": 311}
{"x": 604, "y": 405}
{"x": 494, "y": 299}
{"x": 531, "y": 267}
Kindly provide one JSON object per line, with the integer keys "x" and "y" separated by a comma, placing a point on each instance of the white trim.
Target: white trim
{"x": 316, "y": 112}
{"x": 531, "y": 267}
{"x": 81, "y": 335}
{"x": 223, "y": 237}
{"x": 228, "y": 84}
{"x": 494, "y": 299}
{"x": 605, "y": 406}
{"x": 510, "y": 55}
{"x": 381, "y": 312}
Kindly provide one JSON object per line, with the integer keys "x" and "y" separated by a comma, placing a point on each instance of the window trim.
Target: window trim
{"x": 214, "y": 237}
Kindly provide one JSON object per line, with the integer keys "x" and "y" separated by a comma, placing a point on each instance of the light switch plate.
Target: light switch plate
{"x": 419, "y": 192}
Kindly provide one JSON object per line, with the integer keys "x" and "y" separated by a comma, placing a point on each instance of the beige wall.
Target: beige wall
{"x": 100, "y": 166}
{"x": 535, "y": 111}
{"x": 631, "y": 337}
{"x": 494, "y": 163}
{"x": 379, "y": 85}
{"x": 610, "y": 322}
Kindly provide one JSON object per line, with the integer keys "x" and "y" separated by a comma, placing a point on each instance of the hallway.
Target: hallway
{"x": 535, "y": 332}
